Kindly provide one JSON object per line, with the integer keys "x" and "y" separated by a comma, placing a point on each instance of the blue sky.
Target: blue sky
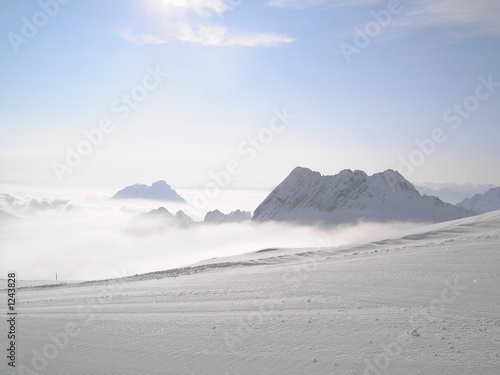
{"x": 227, "y": 67}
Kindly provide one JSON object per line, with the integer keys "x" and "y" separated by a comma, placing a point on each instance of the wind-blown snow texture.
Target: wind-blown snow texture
{"x": 423, "y": 302}
{"x": 159, "y": 190}
{"x": 307, "y": 196}
{"x": 482, "y": 203}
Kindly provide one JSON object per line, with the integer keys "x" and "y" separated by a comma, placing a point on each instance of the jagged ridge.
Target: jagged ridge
{"x": 307, "y": 196}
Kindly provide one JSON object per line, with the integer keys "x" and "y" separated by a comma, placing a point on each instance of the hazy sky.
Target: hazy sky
{"x": 176, "y": 89}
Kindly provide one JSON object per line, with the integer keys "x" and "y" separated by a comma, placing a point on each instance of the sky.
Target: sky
{"x": 109, "y": 93}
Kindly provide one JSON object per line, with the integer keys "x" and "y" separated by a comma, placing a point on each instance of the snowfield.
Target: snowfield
{"x": 424, "y": 302}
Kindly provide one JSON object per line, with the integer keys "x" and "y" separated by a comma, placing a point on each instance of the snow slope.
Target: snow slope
{"x": 482, "y": 203}
{"x": 423, "y": 302}
{"x": 307, "y": 196}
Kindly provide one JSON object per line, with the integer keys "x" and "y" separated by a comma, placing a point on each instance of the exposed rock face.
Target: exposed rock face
{"x": 307, "y": 196}
{"x": 159, "y": 190}
{"x": 482, "y": 203}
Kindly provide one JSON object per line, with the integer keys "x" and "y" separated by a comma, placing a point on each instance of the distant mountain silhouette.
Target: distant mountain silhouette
{"x": 159, "y": 190}
{"x": 482, "y": 203}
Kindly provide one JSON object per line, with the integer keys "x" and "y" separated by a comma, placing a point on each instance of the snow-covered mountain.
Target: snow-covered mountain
{"x": 482, "y": 203}
{"x": 217, "y": 217}
{"x": 451, "y": 192}
{"x": 159, "y": 190}
{"x": 307, "y": 196}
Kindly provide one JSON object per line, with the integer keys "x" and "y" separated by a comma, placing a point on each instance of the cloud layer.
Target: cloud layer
{"x": 91, "y": 241}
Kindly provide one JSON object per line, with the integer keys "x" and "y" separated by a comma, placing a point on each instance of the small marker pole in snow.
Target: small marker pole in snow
{"x": 56, "y": 276}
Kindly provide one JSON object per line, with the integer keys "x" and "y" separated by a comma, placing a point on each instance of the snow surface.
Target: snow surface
{"x": 482, "y": 203}
{"x": 426, "y": 301}
{"x": 307, "y": 196}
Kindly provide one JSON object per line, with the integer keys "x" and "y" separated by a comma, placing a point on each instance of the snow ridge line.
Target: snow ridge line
{"x": 175, "y": 272}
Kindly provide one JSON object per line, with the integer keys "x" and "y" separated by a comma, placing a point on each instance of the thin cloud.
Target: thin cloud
{"x": 267, "y": 40}
{"x": 298, "y": 4}
{"x": 302, "y": 4}
{"x": 472, "y": 18}
{"x": 208, "y": 36}
{"x": 218, "y": 36}
{"x": 468, "y": 18}
{"x": 192, "y": 21}
{"x": 200, "y": 7}
{"x": 142, "y": 39}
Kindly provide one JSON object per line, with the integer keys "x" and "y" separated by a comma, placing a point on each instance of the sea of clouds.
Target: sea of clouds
{"x": 85, "y": 235}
